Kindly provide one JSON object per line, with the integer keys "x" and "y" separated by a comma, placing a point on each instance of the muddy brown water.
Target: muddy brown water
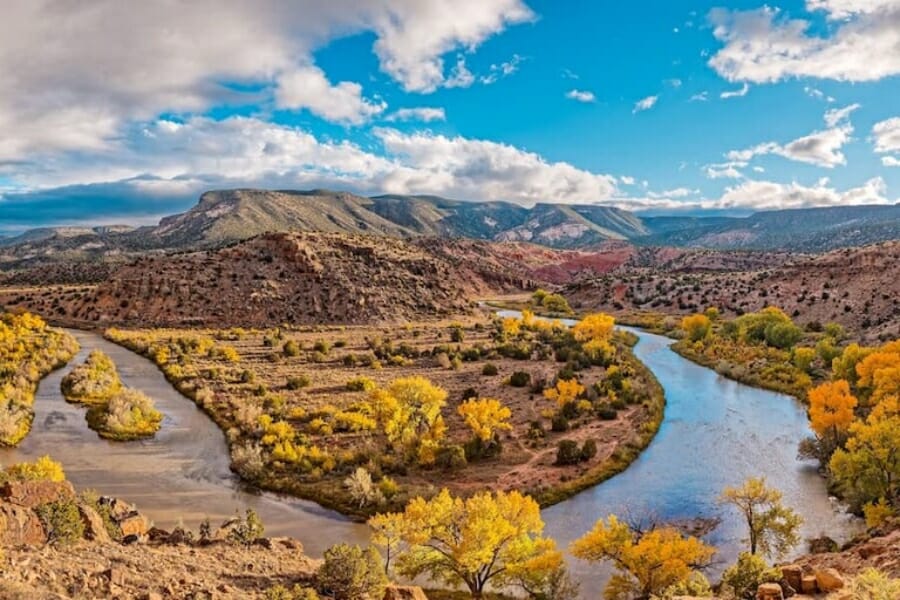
{"x": 716, "y": 432}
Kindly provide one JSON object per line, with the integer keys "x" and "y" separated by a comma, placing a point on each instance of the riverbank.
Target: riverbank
{"x": 309, "y": 382}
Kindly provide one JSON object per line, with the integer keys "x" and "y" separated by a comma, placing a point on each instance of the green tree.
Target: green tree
{"x": 351, "y": 573}
{"x": 772, "y": 527}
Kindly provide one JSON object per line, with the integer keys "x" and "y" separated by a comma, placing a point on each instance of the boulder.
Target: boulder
{"x": 792, "y": 575}
{"x": 118, "y": 509}
{"x": 769, "y": 591}
{"x": 808, "y": 584}
{"x": 94, "y": 527}
{"x": 134, "y": 524}
{"x": 405, "y": 592}
{"x": 20, "y": 526}
{"x": 829, "y": 580}
{"x": 34, "y": 493}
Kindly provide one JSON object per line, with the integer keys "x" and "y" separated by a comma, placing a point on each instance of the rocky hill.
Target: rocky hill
{"x": 857, "y": 287}
{"x": 307, "y": 278}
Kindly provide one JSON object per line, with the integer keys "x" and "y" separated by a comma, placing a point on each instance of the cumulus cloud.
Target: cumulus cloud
{"x": 309, "y": 88}
{"x": 480, "y": 169}
{"x": 581, "y": 95}
{"x": 460, "y": 76}
{"x": 644, "y": 104}
{"x": 425, "y": 114}
{"x": 763, "y": 46}
{"x": 414, "y": 35}
{"x": 98, "y": 66}
{"x": 768, "y": 195}
{"x": 821, "y": 148}
{"x": 886, "y": 135}
{"x": 165, "y": 159}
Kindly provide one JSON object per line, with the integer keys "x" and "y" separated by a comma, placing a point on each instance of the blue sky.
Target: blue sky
{"x": 127, "y": 115}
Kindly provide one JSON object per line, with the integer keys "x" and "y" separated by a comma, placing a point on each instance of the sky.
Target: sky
{"x": 123, "y": 112}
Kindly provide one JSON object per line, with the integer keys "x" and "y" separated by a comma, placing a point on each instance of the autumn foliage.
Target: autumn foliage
{"x": 647, "y": 563}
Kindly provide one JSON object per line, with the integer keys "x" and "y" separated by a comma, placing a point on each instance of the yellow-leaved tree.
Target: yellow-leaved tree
{"x": 879, "y": 374}
{"x": 409, "y": 411}
{"x": 596, "y": 326}
{"x": 485, "y": 417}
{"x": 647, "y": 563}
{"x": 869, "y": 468}
{"x": 831, "y": 408}
{"x": 696, "y": 327}
{"x": 773, "y": 529}
{"x": 566, "y": 391}
{"x": 486, "y": 539}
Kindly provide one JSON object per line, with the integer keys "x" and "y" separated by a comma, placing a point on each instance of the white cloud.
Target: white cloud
{"x": 501, "y": 70}
{"x": 479, "y": 169}
{"x": 817, "y": 94}
{"x": 627, "y": 180}
{"x": 167, "y": 158}
{"x": 82, "y": 72}
{"x": 681, "y": 192}
{"x": 762, "y": 46}
{"x": 735, "y": 93}
{"x": 768, "y": 195}
{"x": 425, "y": 114}
{"x": 837, "y": 115}
{"x": 581, "y": 95}
{"x": 701, "y": 97}
{"x": 460, "y": 76}
{"x": 309, "y": 88}
{"x": 726, "y": 170}
{"x": 844, "y": 9}
{"x": 414, "y": 35}
{"x": 674, "y": 82}
{"x": 886, "y": 135}
{"x": 821, "y": 148}
{"x": 645, "y": 104}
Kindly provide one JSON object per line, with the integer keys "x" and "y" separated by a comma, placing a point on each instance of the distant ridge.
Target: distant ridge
{"x": 223, "y": 217}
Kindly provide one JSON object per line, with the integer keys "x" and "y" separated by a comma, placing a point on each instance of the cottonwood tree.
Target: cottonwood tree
{"x": 647, "y": 563}
{"x": 831, "y": 407}
{"x": 486, "y": 417}
{"x": 869, "y": 468}
{"x": 488, "y": 538}
{"x": 409, "y": 411}
{"x": 773, "y": 528}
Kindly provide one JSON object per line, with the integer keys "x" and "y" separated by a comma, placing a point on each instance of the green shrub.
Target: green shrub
{"x": 247, "y": 530}
{"x": 298, "y": 382}
{"x": 451, "y": 457}
{"x": 567, "y": 453}
{"x": 750, "y": 570}
{"x": 489, "y": 370}
{"x": 588, "y": 450}
{"x": 291, "y": 348}
{"x": 519, "y": 379}
{"x": 606, "y": 412}
{"x": 360, "y": 384}
{"x": 279, "y": 592}
{"x": 559, "y": 423}
{"x": 351, "y": 573}
{"x": 872, "y": 584}
{"x": 62, "y": 521}
{"x": 322, "y": 347}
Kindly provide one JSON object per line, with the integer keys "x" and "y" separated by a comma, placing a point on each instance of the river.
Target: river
{"x": 716, "y": 432}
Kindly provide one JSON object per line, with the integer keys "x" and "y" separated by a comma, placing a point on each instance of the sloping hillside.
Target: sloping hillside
{"x": 806, "y": 229}
{"x": 857, "y": 287}
{"x": 233, "y": 215}
{"x": 562, "y": 226}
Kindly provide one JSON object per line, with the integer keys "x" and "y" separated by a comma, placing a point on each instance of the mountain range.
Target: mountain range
{"x": 227, "y": 216}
